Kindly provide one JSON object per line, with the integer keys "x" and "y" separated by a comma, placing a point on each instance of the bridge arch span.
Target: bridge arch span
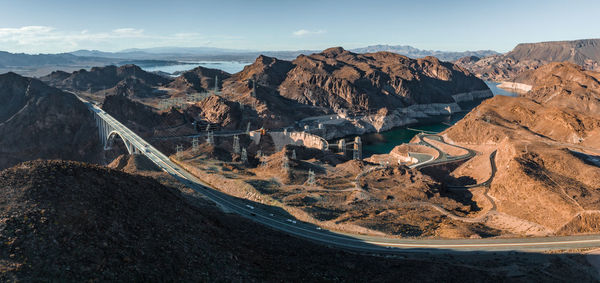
{"x": 110, "y": 139}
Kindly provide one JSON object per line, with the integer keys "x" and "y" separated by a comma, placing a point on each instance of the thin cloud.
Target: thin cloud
{"x": 305, "y": 32}
{"x": 128, "y": 32}
{"x": 40, "y": 39}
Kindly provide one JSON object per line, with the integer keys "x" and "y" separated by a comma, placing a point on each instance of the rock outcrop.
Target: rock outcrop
{"x": 38, "y": 121}
{"x": 564, "y": 85}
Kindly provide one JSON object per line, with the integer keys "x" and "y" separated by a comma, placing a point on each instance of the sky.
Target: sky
{"x": 42, "y": 26}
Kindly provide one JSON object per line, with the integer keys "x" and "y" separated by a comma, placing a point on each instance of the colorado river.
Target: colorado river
{"x": 384, "y": 142}
{"x": 227, "y": 66}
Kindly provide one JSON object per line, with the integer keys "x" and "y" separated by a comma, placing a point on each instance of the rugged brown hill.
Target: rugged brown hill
{"x": 256, "y": 87}
{"x": 564, "y": 85}
{"x": 528, "y": 56}
{"x": 67, "y": 221}
{"x": 337, "y": 80}
{"x": 126, "y": 79}
{"x": 38, "y": 121}
{"x": 546, "y": 174}
{"x": 199, "y": 79}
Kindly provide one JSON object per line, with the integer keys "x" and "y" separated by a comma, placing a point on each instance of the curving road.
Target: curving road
{"x": 265, "y": 216}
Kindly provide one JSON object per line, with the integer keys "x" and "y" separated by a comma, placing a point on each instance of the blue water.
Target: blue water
{"x": 498, "y": 91}
{"x": 227, "y": 66}
{"x": 384, "y": 142}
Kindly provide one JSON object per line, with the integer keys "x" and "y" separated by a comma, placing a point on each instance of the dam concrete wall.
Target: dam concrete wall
{"x": 281, "y": 139}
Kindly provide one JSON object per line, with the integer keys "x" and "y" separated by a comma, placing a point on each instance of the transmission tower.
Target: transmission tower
{"x": 236, "y": 144}
{"x": 293, "y": 154}
{"x": 286, "y": 163}
{"x": 216, "y": 84}
{"x": 179, "y": 150}
{"x": 195, "y": 144}
{"x": 244, "y": 157}
{"x": 210, "y": 139}
{"x": 263, "y": 161}
{"x": 311, "y": 177}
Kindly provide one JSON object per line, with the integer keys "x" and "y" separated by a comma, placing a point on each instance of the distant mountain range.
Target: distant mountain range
{"x": 42, "y": 64}
{"x": 208, "y": 53}
{"x": 582, "y": 52}
{"x": 412, "y": 52}
{"x": 21, "y": 59}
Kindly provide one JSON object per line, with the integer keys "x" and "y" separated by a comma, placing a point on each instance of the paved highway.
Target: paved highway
{"x": 355, "y": 242}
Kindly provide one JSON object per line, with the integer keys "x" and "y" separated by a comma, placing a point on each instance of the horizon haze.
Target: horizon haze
{"x": 65, "y": 26}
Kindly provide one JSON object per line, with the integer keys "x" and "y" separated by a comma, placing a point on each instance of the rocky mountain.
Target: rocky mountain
{"x": 38, "y": 121}
{"x": 564, "y": 85}
{"x": 338, "y": 78}
{"x": 547, "y": 145}
{"x": 412, "y": 52}
{"x": 69, "y": 221}
{"x": 273, "y": 93}
{"x": 528, "y": 56}
{"x": 340, "y": 81}
{"x": 199, "y": 79}
{"x": 125, "y": 80}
